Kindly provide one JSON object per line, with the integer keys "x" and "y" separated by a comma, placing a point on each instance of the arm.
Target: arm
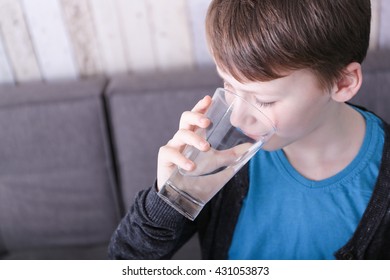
{"x": 150, "y": 230}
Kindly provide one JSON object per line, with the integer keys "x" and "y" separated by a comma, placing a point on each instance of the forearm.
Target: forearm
{"x": 150, "y": 230}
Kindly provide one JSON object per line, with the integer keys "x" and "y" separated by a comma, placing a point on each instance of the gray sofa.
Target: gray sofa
{"x": 73, "y": 154}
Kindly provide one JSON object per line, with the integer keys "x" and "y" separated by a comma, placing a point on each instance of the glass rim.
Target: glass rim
{"x": 251, "y": 104}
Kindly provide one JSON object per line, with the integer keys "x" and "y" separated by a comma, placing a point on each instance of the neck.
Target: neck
{"x": 331, "y": 147}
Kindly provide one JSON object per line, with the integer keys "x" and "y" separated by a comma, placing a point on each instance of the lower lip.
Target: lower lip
{"x": 254, "y": 137}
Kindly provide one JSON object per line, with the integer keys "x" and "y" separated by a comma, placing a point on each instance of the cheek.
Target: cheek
{"x": 294, "y": 120}
{"x": 290, "y": 126}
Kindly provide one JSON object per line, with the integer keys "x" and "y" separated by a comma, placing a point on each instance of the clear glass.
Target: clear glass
{"x": 237, "y": 131}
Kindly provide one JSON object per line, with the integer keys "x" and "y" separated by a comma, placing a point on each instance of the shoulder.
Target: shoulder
{"x": 373, "y": 117}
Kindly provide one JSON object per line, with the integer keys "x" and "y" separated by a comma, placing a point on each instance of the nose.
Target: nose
{"x": 241, "y": 115}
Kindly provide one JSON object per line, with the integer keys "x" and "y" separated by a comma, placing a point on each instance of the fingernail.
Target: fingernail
{"x": 188, "y": 166}
{"x": 204, "y": 144}
{"x": 203, "y": 120}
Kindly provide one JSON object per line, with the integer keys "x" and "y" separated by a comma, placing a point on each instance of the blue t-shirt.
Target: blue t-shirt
{"x": 287, "y": 216}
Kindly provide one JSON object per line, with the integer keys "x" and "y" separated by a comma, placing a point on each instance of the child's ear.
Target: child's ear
{"x": 349, "y": 84}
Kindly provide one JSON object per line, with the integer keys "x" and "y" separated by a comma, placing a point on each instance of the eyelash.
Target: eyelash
{"x": 264, "y": 104}
{"x": 259, "y": 103}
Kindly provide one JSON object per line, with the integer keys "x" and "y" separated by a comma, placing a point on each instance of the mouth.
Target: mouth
{"x": 252, "y": 136}
{"x": 258, "y": 137}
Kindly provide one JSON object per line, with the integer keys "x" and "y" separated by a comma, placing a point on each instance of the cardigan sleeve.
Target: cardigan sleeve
{"x": 150, "y": 230}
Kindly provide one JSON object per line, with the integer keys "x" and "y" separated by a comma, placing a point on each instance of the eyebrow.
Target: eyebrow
{"x": 224, "y": 80}
{"x": 242, "y": 90}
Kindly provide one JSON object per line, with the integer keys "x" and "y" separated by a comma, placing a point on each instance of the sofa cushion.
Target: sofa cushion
{"x": 56, "y": 174}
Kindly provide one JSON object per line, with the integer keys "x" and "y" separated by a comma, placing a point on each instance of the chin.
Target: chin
{"x": 274, "y": 144}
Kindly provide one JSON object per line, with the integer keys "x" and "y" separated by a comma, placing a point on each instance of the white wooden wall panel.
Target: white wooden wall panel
{"x": 6, "y": 76}
{"x": 171, "y": 34}
{"x": 137, "y": 35}
{"x": 375, "y": 24}
{"x": 197, "y": 14}
{"x": 50, "y": 39}
{"x": 107, "y": 26}
{"x": 79, "y": 22}
{"x": 384, "y": 35}
{"x": 17, "y": 42}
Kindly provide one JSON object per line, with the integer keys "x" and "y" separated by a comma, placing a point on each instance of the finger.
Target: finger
{"x": 169, "y": 157}
{"x": 190, "y": 120}
{"x": 202, "y": 105}
{"x": 241, "y": 149}
{"x": 227, "y": 156}
{"x": 186, "y": 137}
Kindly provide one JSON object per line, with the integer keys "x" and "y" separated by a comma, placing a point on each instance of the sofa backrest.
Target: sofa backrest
{"x": 57, "y": 187}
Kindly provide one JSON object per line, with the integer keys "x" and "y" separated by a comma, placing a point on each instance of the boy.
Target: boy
{"x": 319, "y": 188}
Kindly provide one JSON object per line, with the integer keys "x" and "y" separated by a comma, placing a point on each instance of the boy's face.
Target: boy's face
{"x": 296, "y": 104}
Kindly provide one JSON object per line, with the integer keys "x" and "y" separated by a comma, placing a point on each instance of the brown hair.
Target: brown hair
{"x": 256, "y": 40}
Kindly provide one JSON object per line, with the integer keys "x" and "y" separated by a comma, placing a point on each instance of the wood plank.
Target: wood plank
{"x": 137, "y": 35}
{"x": 17, "y": 42}
{"x": 384, "y": 34}
{"x": 171, "y": 34}
{"x": 6, "y": 75}
{"x": 50, "y": 39}
{"x": 79, "y": 23}
{"x": 375, "y": 24}
{"x": 197, "y": 12}
{"x": 108, "y": 29}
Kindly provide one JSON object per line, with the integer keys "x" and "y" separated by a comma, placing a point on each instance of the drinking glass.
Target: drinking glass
{"x": 237, "y": 130}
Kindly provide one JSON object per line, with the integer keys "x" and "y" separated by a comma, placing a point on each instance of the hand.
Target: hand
{"x": 170, "y": 155}
{"x": 215, "y": 161}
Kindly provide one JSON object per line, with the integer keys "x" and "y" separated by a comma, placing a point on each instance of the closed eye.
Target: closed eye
{"x": 227, "y": 86}
{"x": 264, "y": 104}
